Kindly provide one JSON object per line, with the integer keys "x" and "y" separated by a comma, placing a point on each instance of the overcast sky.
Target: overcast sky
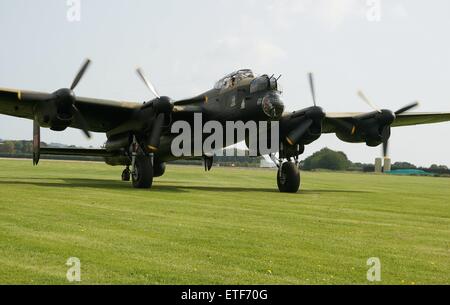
{"x": 185, "y": 46}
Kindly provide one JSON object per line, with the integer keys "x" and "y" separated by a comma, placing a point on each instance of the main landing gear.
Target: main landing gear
{"x": 288, "y": 176}
{"x": 142, "y": 175}
{"x": 141, "y": 172}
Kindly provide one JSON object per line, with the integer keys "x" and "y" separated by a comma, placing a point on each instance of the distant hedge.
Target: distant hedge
{"x": 327, "y": 159}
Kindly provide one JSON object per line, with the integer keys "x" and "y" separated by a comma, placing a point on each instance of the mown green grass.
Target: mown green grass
{"x": 229, "y": 226}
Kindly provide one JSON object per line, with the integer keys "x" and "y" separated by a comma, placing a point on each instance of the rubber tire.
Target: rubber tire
{"x": 144, "y": 168}
{"x": 289, "y": 182}
{"x": 159, "y": 169}
{"x": 126, "y": 175}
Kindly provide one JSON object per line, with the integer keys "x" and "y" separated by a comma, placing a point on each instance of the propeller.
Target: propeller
{"x": 386, "y": 117}
{"x": 78, "y": 117}
{"x": 386, "y": 133}
{"x": 312, "y": 115}
{"x": 407, "y": 108}
{"x": 147, "y": 82}
{"x": 311, "y": 86}
{"x": 368, "y": 102}
{"x": 80, "y": 74}
{"x": 36, "y": 142}
{"x": 162, "y": 106}
{"x": 65, "y": 100}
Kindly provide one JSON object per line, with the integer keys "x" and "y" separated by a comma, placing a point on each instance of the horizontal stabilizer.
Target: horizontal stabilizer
{"x": 76, "y": 152}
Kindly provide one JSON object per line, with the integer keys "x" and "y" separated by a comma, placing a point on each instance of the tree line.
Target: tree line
{"x": 337, "y": 160}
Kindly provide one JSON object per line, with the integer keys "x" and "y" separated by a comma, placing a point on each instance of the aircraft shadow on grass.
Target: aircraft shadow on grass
{"x": 119, "y": 185}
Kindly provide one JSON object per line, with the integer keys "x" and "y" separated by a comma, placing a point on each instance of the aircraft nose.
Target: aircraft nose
{"x": 273, "y": 106}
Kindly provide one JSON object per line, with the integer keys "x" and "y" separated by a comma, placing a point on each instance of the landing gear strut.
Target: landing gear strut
{"x": 288, "y": 176}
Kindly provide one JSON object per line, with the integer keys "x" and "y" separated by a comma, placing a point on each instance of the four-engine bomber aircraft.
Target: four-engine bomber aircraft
{"x": 138, "y": 135}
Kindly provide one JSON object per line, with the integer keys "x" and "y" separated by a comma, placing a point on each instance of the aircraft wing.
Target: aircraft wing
{"x": 407, "y": 119}
{"x": 333, "y": 120}
{"x": 101, "y": 115}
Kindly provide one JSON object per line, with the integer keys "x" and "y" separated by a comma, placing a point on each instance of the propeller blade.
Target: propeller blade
{"x": 385, "y": 137}
{"x": 368, "y": 102}
{"x": 407, "y": 108}
{"x": 79, "y": 119}
{"x": 36, "y": 142}
{"x": 296, "y": 134}
{"x": 147, "y": 82}
{"x": 155, "y": 136}
{"x": 80, "y": 74}
{"x": 311, "y": 86}
{"x": 385, "y": 148}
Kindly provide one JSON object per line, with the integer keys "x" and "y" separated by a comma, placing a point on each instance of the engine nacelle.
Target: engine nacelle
{"x": 118, "y": 142}
{"x": 47, "y": 116}
{"x": 118, "y": 160}
{"x": 370, "y": 128}
{"x": 371, "y": 134}
{"x": 290, "y": 151}
{"x": 303, "y": 127}
{"x": 313, "y": 133}
{"x": 57, "y": 113}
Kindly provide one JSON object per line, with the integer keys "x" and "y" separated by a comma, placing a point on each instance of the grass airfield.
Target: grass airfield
{"x": 229, "y": 226}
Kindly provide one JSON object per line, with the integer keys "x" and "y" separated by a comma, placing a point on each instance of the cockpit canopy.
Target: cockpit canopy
{"x": 234, "y": 79}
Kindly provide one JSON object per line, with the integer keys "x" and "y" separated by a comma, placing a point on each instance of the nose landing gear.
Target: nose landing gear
{"x": 288, "y": 176}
